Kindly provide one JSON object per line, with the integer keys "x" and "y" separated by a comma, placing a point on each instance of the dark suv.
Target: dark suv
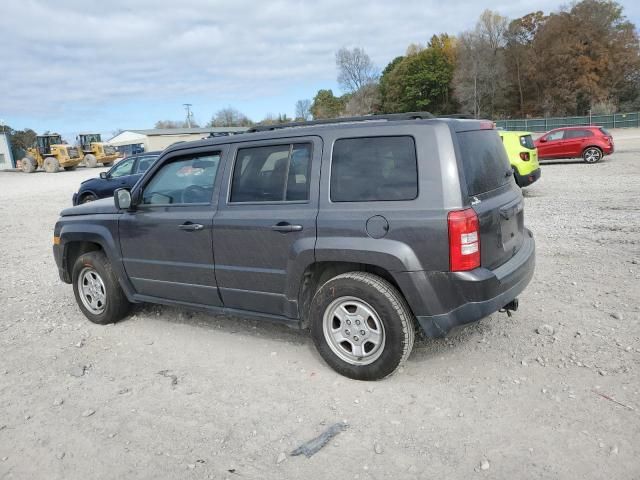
{"x": 360, "y": 229}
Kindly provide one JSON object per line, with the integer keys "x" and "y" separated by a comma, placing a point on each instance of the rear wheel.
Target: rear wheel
{"x": 361, "y": 326}
{"x": 51, "y": 165}
{"x": 90, "y": 161}
{"x": 87, "y": 197}
{"x": 28, "y": 165}
{"x": 592, "y": 155}
{"x": 97, "y": 290}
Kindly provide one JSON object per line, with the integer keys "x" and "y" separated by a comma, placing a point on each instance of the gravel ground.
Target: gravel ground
{"x": 552, "y": 392}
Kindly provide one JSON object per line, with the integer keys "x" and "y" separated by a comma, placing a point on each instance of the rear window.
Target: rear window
{"x": 527, "y": 142}
{"x": 374, "y": 169}
{"x": 484, "y": 160}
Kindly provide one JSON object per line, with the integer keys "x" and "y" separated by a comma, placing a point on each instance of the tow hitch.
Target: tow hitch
{"x": 512, "y": 306}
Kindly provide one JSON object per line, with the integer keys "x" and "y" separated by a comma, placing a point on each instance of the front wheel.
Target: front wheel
{"x": 51, "y": 165}
{"x": 361, "y": 326}
{"x": 97, "y": 290}
{"x": 87, "y": 197}
{"x": 592, "y": 155}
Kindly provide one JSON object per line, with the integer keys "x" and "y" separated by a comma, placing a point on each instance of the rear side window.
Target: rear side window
{"x": 374, "y": 169}
{"x": 484, "y": 160}
{"x": 578, "y": 133}
{"x": 527, "y": 142}
{"x": 605, "y": 132}
{"x": 273, "y": 173}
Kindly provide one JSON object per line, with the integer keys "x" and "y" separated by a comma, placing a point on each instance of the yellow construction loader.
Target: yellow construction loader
{"x": 94, "y": 151}
{"x": 51, "y": 154}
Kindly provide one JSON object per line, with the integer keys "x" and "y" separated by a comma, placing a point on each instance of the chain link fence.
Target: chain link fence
{"x": 618, "y": 120}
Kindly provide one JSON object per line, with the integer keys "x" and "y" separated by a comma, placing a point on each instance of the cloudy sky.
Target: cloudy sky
{"x": 70, "y": 65}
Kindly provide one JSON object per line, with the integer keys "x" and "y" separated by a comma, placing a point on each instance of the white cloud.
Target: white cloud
{"x": 75, "y": 55}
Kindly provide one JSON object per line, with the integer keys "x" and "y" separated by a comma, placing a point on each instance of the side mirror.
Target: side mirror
{"x": 103, "y": 175}
{"x": 122, "y": 199}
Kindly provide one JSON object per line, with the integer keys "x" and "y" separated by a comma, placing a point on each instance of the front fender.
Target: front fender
{"x": 102, "y": 232}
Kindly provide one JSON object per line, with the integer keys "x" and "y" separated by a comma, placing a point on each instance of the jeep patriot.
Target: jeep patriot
{"x": 362, "y": 230}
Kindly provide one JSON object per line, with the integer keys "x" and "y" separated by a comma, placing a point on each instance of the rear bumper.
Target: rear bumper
{"x": 528, "y": 179}
{"x": 444, "y": 300}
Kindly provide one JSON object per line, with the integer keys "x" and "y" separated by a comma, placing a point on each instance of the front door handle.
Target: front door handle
{"x": 190, "y": 227}
{"x": 286, "y": 227}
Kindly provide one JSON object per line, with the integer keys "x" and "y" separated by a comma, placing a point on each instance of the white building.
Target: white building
{"x": 6, "y": 158}
{"x": 132, "y": 141}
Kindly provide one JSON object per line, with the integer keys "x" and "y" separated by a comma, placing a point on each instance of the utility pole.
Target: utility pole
{"x": 187, "y": 107}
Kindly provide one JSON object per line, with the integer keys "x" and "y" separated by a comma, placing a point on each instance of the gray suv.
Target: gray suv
{"x": 361, "y": 230}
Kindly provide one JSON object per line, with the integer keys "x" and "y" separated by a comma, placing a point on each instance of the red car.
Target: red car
{"x": 590, "y": 143}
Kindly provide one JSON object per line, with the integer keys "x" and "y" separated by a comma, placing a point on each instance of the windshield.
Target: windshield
{"x": 90, "y": 138}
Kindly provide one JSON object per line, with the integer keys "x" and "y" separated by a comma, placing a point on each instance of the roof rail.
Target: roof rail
{"x": 462, "y": 116}
{"x": 328, "y": 121}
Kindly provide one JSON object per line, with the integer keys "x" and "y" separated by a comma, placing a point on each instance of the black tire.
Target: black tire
{"x": 392, "y": 312}
{"x": 70, "y": 169}
{"x": 107, "y": 164}
{"x": 592, "y": 155}
{"x": 115, "y": 306}
{"x": 87, "y": 197}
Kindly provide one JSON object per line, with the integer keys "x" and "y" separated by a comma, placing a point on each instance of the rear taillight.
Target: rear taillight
{"x": 464, "y": 240}
{"x": 524, "y": 156}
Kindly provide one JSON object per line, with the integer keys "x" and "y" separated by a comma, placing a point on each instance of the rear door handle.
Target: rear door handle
{"x": 286, "y": 227}
{"x": 190, "y": 227}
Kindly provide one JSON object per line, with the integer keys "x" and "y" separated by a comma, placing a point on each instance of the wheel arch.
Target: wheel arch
{"x": 88, "y": 238}
{"x": 318, "y": 273}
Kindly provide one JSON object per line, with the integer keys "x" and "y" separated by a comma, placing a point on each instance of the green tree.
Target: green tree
{"x": 327, "y": 105}
{"x": 422, "y": 79}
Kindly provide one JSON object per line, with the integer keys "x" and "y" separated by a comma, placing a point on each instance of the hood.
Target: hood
{"x": 89, "y": 180}
{"x": 104, "y": 205}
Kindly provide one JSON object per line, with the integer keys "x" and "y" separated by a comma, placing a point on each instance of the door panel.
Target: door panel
{"x": 165, "y": 261}
{"x": 552, "y": 148}
{"x": 258, "y": 245}
{"x": 167, "y": 241}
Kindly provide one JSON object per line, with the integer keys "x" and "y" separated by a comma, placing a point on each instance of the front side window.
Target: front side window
{"x": 122, "y": 168}
{"x": 556, "y": 135}
{"x": 374, "y": 169}
{"x": 274, "y": 173}
{"x": 184, "y": 181}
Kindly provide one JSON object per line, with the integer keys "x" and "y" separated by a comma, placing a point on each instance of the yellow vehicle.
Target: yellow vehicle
{"x": 94, "y": 151}
{"x": 51, "y": 154}
{"x": 523, "y": 156}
